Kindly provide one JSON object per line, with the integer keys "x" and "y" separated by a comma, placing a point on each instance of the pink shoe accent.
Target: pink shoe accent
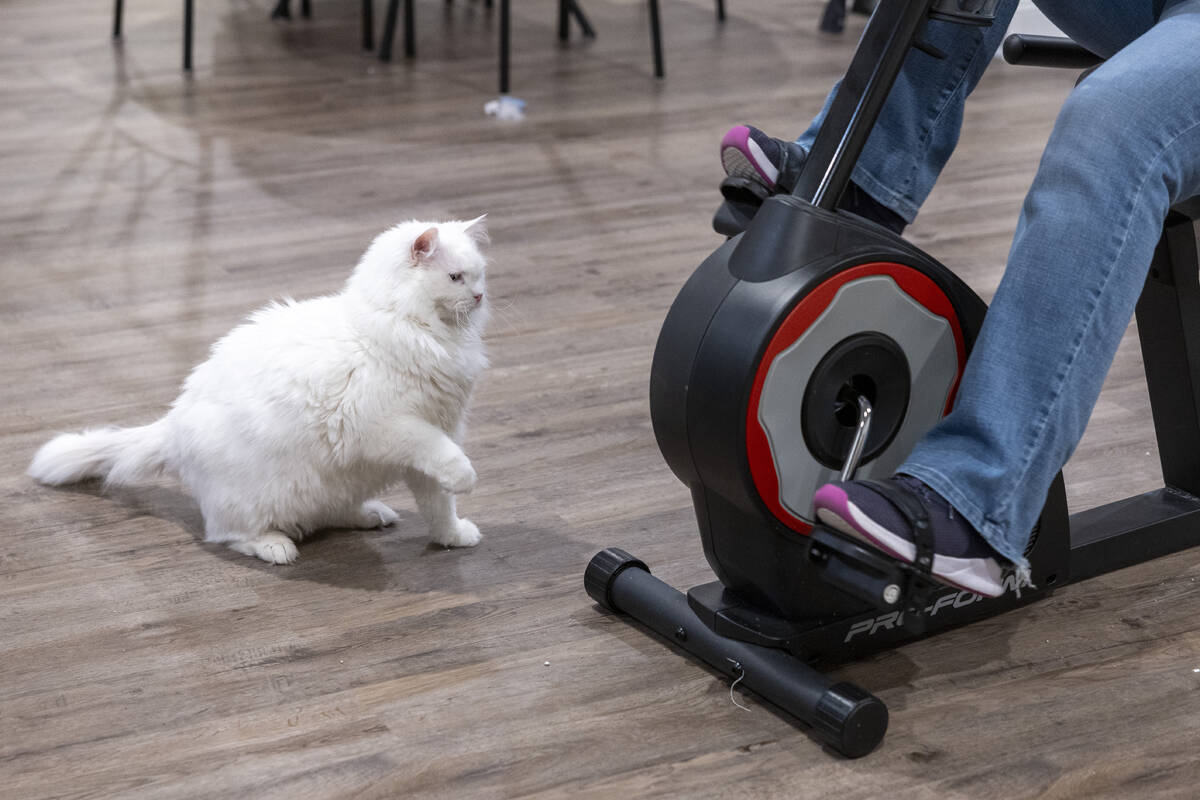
{"x": 737, "y": 136}
{"x": 741, "y": 155}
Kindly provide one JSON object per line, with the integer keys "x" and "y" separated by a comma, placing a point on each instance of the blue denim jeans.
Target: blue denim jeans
{"x": 1125, "y": 148}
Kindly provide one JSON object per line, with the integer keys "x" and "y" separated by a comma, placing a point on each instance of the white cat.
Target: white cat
{"x": 307, "y": 411}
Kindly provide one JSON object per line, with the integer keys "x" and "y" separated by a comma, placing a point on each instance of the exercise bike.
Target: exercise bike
{"x": 817, "y": 345}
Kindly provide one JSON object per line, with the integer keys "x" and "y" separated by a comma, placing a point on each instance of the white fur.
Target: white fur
{"x": 307, "y": 411}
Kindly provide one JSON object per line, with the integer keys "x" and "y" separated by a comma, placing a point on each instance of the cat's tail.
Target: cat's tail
{"x": 119, "y": 455}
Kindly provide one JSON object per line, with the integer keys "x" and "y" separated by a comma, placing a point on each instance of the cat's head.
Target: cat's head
{"x": 420, "y": 267}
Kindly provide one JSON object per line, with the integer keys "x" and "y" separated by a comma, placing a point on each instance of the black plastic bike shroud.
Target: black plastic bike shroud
{"x": 709, "y": 380}
{"x": 846, "y": 717}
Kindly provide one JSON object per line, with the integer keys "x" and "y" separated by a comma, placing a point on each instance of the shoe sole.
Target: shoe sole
{"x": 979, "y": 575}
{"x": 743, "y": 158}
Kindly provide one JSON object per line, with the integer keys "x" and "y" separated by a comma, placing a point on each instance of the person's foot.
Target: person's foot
{"x": 757, "y": 166}
{"x": 871, "y": 512}
{"x": 749, "y": 154}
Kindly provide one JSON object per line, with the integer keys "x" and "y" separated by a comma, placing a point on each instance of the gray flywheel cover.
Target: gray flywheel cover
{"x": 873, "y": 303}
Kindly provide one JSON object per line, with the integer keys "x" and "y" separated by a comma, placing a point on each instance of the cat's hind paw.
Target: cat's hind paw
{"x": 375, "y": 514}
{"x": 274, "y": 548}
{"x": 464, "y": 534}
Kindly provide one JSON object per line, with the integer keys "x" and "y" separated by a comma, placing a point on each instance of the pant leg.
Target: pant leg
{"x": 1125, "y": 148}
{"x": 919, "y": 124}
{"x": 1103, "y": 28}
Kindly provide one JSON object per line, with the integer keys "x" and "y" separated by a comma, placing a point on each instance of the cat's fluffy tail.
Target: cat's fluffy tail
{"x": 119, "y": 455}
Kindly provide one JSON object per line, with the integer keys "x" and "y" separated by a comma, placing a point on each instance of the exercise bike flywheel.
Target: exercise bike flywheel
{"x": 882, "y": 331}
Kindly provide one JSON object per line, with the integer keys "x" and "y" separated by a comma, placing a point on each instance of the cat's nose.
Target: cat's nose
{"x": 478, "y": 299}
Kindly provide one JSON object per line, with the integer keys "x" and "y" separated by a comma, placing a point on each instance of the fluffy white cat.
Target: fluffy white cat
{"x": 302, "y": 415}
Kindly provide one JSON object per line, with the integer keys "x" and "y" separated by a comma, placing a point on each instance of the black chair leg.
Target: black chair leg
{"x": 282, "y": 10}
{"x": 833, "y": 19}
{"x": 720, "y": 10}
{"x": 568, "y": 9}
{"x": 410, "y": 30}
{"x": 306, "y": 9}
{"x": 187, "y": 35}
{"x": 117, "y": 13}
{"x": 576, "y": 11}
{"x": 656, "y": 39}
{"x": 389, "y": 30}
{"x": 368, "y": 14}
{"x": 504, "y": 44}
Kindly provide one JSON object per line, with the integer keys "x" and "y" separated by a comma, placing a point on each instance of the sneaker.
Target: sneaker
{"x": 871, "y": 512}
{"x": 751, "y": 155}
{"x": 757, "y": 166}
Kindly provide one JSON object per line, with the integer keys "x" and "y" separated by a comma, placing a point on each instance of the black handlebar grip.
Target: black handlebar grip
{"x": 1048, "y": 51}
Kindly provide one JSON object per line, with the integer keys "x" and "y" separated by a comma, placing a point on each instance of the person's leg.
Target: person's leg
{"x": 919, "y": 124}
{"x": 1126, "y": 147}
{"x": 1103, "y": 31}
{"x": 913, "y": 137}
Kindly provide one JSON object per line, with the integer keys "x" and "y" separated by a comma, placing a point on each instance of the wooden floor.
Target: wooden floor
{"x": 144, "y": 212}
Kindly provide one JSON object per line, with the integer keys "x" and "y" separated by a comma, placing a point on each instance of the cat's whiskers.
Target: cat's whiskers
{"x": 501, "y": 312}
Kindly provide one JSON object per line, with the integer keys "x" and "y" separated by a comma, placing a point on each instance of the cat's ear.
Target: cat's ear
{"x": 477, "y": 229}
{"x": 424, "y": 245}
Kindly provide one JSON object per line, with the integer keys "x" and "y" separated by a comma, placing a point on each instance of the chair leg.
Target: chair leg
{"x": 306, "y": 9}
{"x": 282, "y": 10}
{"x": 410, "y": 30}
{"x": 389, "y": 30}
{"x": 576, "y": 11}
{"x": 656, "y": 39}
{"x": 720, "y": 10}
{"x": 833, "y": 19}
{"x": 504, "y": 45}
{"x": 187, "y": 35}
{"x": 564, "y": 30}
{"x": 117, "y": 14}
{"x": 368, "y": 14}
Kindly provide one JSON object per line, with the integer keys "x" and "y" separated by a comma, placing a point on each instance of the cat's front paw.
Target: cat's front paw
{"x": 464, "y": 533}
{"x": 457, "y": 476}
{"x": 274, "y": 548}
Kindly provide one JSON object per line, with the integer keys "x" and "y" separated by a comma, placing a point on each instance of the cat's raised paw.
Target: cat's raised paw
{"x": 274, "y": 548}
{"x": 465, "y": 534}
{"x": 376, "y": 514}
{"x": 458, "y": 477}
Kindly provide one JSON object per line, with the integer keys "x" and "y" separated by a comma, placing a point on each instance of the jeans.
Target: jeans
{"x": 1125, "y": 147}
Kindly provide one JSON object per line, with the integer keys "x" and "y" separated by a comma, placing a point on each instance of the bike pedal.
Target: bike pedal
{"x": 872, "y": 577}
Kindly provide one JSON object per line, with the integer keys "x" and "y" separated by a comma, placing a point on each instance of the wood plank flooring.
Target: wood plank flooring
{"x": 145, "y": 212}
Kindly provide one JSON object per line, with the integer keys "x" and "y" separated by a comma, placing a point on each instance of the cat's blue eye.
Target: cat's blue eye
{"x": 457, "y": 277}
